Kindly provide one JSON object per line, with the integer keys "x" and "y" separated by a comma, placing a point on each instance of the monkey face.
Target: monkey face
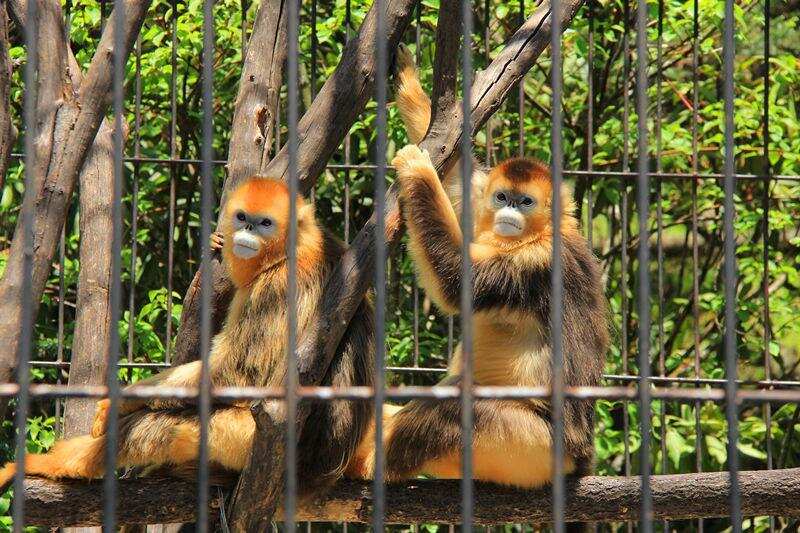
{"x": 251, "y": 232}
{"x": 511, "y": 208}
{"x": 516, "y": 200}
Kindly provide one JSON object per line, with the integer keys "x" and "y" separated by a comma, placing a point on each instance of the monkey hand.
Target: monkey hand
{"x": 411, "y": 164}
{"x": 217, "y": 241}
{"x": 100, "y": 418}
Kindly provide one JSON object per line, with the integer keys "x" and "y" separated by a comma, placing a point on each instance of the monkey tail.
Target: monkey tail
{"x": 78, "y": 458}
{"x": 412, "y": 102}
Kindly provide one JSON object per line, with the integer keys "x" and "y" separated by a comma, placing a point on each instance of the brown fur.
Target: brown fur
{"x": 512, "y": 439}
{"x": 249, "y": 351}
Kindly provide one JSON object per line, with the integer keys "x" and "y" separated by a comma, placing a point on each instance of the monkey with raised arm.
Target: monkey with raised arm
{"x": 511, "y": 257}
{"x": 249, "y": 351}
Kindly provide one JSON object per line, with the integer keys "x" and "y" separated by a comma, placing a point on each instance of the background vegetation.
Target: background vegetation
{"x": 768, "y": 343}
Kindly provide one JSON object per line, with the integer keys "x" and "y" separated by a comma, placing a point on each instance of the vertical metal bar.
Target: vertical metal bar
{"x": 521, "y": 96}
{"x": 466, "y": 268}
{"x": 173, "y": 154}
{"x": 643, "y": 208}
{"x": 206, "y": 287}
{"x": 137, "y": 152}
{"x": 556, "y": 307}
{"x": 659, "y": 239}
{"x": 381, "y": 61}
{"x": 729, "y": 275}
{"x": 765, "y": 202}
{"x": 590, "y": 127}
{"x": 314, "y": 47}
{"x": 624, "y": 230}
{"x": 415, "y": 284}
{"x": 347, "y": 159}
{"x": 26, "y": 321}
{"x": 698, "y": 449}
{"x": 293, "y": 90}
{"x": 61, "y": 295}
{"x": 487, "y": 48}
{"x": 110, "y": 481}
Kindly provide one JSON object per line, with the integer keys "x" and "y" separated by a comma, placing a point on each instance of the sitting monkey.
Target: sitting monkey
{"x": 249, "y": 351}
{"x": 511, "y": 264}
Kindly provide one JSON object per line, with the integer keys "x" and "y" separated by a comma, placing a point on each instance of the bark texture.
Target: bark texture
{"x": 593, "y": 498}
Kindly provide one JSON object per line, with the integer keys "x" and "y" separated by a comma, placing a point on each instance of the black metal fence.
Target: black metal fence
{"x": 647, "y": 177}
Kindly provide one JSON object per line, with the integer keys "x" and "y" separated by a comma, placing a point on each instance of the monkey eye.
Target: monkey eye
{"x": 527, "y": 201}
{"x": 266, "y": 222}
{"x": 240, "y": 216}
{"x": 500, "y": 197}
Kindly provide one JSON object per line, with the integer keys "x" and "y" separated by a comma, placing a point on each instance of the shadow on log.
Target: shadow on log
{"x": 592, "y": 498}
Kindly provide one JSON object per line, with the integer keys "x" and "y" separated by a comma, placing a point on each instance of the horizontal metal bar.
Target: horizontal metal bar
{"x": 574, "y": 173}
{"x": 764, "y": 383}
{"x": 400, "y": 393}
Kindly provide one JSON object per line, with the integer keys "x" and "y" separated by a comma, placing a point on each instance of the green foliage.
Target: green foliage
{"x": 768, "y": 345}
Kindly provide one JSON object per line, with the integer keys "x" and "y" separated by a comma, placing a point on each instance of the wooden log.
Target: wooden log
{"x": 79, "y": 114}
{"x": 593, "y": 498}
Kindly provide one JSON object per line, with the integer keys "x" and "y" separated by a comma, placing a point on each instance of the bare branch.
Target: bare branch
{"x": 343, "y": 96}
{"x": 8, "y": 134}
{"x": 593, "y": 498}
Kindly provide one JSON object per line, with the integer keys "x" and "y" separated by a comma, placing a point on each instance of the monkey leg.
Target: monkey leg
{"x": 187, "y": 375}
{"x": 362, "y": 465}
{"x": 158, "y": 438}
{"x": 146, "y": 438}
{"x": 512, "y": 442}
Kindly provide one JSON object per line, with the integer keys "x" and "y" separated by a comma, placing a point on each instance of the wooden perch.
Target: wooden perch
{"x": 594, "y": 498}
{"x": 79, "y": 112}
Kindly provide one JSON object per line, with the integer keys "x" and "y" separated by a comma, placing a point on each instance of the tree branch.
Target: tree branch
{"x": 8, "y": 134}
{"x": 77, "y": 120}
{"x": 593, "y": 498}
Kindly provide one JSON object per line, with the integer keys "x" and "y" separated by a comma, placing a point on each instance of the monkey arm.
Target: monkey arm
{"x": 435, "y": 237}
